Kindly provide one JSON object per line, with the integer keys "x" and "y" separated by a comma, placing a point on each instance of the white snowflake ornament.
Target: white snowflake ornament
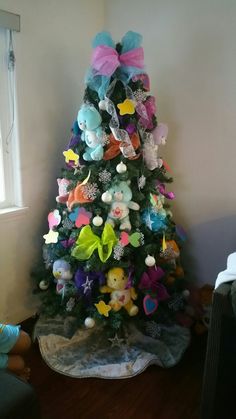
{"x": 70, "y": 304}
{"x": 140, "y": 95}
{"x": 141, "y": 182}
{"x": 118, "y": 251}
{"x": 90, "y": 191}
{"x": 104, "y": 176}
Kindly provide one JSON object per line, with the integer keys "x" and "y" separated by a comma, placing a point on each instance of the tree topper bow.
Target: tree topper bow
{"x": 106, "y": 60}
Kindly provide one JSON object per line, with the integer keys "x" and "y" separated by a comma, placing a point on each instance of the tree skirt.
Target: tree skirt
{"x": 90, "y": 353}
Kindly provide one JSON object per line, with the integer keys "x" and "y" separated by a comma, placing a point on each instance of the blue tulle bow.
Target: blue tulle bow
{"x": 131, "y": 41}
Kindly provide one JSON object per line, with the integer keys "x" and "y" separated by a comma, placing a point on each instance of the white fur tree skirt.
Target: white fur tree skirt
{"x": 91, "y": 353}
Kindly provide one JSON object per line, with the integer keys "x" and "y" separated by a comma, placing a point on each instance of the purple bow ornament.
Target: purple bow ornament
{"x": 162, "y": 189}
{"x": 150, "y": 281}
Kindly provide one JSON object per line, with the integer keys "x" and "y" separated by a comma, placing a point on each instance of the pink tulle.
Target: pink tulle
{"x": 105, "y": 60}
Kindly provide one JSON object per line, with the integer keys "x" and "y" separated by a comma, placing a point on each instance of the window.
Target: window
{"x": 10, "y": 194}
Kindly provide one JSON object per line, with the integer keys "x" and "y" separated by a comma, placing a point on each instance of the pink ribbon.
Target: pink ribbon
{"x": 105, "y": 60}
{"x": 146, "y": 111}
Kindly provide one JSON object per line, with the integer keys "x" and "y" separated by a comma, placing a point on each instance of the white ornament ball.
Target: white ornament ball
{"x": 89, "y": 322}
{"x": 97, "y": 221}
{"x": 150, "y": 261}
{"x": 106, "y": 197}
{"x": 121, "y": 167}
{"x": 159, "y": 162}
{"x": 102, "y": 105}
{"x": 43, "y": 285}
{"x": 186, "y": 294}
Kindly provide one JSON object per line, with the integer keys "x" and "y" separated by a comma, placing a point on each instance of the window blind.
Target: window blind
{"x": 9, "y": 20}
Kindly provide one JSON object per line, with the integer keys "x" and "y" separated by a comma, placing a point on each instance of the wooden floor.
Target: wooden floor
{"x": 156, "y": 393}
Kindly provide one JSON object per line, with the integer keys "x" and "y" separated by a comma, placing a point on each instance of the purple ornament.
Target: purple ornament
{"x": 85, "y": 281}
{"x": 130, "y": 128}
{"x": 150, "y": 281}
{"x": 75, "y": 139}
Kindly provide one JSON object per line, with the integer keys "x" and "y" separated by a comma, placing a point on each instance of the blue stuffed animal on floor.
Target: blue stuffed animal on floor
{"x": 89, "y": 121}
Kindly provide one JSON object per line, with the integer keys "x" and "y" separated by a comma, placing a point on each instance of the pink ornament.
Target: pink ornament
{"x": 54, "y": 219}
{"x": 63, "y": 194}
{"x": 83, "y": 217}
{"x": 124, "y": 238}
{"x": 146, "y": 111}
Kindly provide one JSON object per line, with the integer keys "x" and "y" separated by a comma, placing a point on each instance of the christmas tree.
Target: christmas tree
{"x": 112, "y": 253}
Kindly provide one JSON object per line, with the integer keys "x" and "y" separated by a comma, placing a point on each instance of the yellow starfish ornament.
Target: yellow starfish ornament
{"x": 103, "y": 308}
{"x": 70, "y": 155}
{"x": 127, "y": 107}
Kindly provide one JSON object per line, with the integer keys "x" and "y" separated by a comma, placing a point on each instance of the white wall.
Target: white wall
{"x": 52, "y": 54}
{"x": 190, "y": 55}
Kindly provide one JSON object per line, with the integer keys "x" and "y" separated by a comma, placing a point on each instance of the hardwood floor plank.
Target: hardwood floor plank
{"x": 157, "y": 393}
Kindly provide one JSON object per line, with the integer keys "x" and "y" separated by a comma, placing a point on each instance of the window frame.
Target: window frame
{"x": 9, "y": 138}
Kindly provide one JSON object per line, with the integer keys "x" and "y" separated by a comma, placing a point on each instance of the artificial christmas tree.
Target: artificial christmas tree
{"x": 112, "y": 253}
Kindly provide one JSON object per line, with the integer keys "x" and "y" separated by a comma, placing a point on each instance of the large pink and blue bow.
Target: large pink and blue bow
{"x": 106, "y": 60}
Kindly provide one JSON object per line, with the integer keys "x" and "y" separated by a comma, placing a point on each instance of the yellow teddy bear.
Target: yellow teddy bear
{"x": 121, "y": 296}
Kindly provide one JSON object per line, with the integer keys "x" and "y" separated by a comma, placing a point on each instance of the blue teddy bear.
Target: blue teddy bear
{"x": 89, "y": 121}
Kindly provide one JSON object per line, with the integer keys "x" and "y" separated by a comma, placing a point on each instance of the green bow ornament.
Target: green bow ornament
{"x": 87, "y": 242}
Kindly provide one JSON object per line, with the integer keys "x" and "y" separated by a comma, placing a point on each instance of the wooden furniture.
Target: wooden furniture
{"x": 219, "y": 380}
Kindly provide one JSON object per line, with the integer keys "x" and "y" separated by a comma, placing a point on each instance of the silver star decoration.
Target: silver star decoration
{"x": 116, "y": 341}
{"x": 149, "y": 222}
{"x": 87, "y": 285}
